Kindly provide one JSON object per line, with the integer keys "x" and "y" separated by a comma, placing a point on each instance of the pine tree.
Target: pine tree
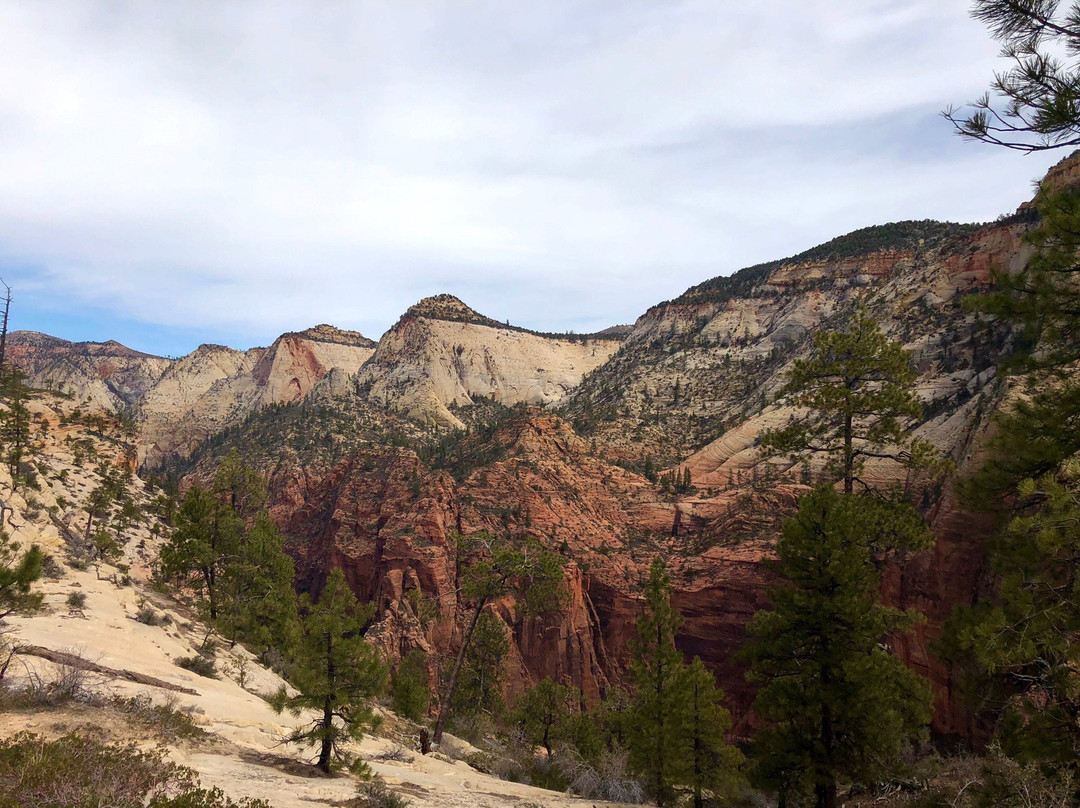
{"x": 259, "y": 602}
{"x": 1020, "y": 649}
{"x": 677, "y": 742}
{"x": 1040, "y": 92}
{"x": 856, "y": 392}
{"x": 206, "y": 539}
{"x": 711, "y": 764}
{"x": 531, "y": 573}
{"x": 839, "y": 705}
{"x": 655, "y": 672}
{"x": 479, "y": 687}
{"x": 337, "y": 672}
{"x": 409, "y": 686}
{"x": 18, "y": 570}
{"x": 543, "y": 713}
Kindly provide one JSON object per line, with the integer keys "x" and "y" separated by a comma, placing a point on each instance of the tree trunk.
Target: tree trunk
{"x": 451, "y": 686}
{"x": 327, "y": 735}
{"x": 210, "y": 592}
{"x": 4, "y": 328}
{"x": 328, "y": 709}
{"x": 849, "y": 459}
{"x": 660, "y": 743}
{"x": 825, "y": 787}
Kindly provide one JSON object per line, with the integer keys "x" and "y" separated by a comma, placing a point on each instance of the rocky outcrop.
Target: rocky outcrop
{"x": 442, "y": 353}
{"x": 107, "y": 375}
{"x": 179, "y": 402}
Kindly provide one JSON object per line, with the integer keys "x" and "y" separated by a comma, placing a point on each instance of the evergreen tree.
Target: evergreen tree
{"x": 337, "y": 672}
{"x": 678, "y": 724}
{"x": 543, "y": 713}
{"x": 531, "y": 573}
{"x": 1040, "y": 93}
{"x": 206, "y": 539}
{"x": 856, "y": 392}
{"x": 18, "y": 571}
{"x": 711, "y": 763}
{"x": 479, "y": 687}
{"x": 839, "y": 705}
{"x": 1020, "y": 649}
{"x": 655, "y": 672}
{"x": 409, "y": 686}
{"x": 259, "y": 602}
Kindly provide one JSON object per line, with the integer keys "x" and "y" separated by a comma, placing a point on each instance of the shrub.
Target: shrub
{"x": 375, "y": 794}
{"x": 76, "y": 600}
{"x": 77, "y": 770}
{"x": 198, "y": 664}
{"x": 81, "y": 770}
{"x": 163, "y": 720}
{"x": 148, "y": 617}
{"x": 607, "y": 779}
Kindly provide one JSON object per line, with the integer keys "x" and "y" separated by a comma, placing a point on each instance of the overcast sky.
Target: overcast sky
{"x": 178, "y": 172}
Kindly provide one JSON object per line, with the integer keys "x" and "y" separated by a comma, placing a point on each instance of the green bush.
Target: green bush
{"x": 76, "y": 600}
{"x": 198, "y": 664}
{"x": 409, "y": 686}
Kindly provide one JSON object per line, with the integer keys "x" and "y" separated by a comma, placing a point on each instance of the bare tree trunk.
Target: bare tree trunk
{"x": 4, "y": 327}
{"x": 451, "y": 685}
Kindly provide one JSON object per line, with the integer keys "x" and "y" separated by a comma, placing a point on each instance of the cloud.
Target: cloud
{"x": 247, "y": 168}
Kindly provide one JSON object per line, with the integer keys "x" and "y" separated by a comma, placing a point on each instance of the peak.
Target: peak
{"x": 339, "y": 336}
{"x": 448, "y": 307}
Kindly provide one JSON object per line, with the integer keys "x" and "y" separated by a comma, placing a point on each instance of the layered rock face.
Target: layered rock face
{"x": 442, "y": 353}
{"x": 179, "y": 402}
{"x": 391, "y": 522}
{"x": 109, "y": 375}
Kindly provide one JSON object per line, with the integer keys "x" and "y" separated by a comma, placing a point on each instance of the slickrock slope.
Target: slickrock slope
{"x": 441, "y": 352}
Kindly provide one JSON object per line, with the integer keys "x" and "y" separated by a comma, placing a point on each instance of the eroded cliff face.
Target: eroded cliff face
{"x": 180, "y": 402}
{"x": 108, "y": 375}
{"x": 442, "y": 353}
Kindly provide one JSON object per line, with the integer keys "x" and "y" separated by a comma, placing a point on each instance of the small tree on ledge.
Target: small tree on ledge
{"x": 855, "y": 390}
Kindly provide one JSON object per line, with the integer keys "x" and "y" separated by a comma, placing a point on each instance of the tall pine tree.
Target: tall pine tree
{"x": 839, "y": 705}
{"x": 677, "y": 743}
{"x": 855, "y": 398}
{"x": 655, "y": 672}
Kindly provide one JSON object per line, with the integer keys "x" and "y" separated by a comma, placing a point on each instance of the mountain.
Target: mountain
{"x": 442, "y": 353}
{"x": 180, "y": 402}
{"x": 377, "y": 457}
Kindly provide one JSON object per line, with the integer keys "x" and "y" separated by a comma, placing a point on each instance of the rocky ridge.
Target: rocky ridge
{"x": 180, "y": 402}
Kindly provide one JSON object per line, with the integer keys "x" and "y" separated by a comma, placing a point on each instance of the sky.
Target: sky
{"x": 174, "y": 173}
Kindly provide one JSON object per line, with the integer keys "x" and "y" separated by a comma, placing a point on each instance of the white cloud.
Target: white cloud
{"x": 252, "y": 167}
